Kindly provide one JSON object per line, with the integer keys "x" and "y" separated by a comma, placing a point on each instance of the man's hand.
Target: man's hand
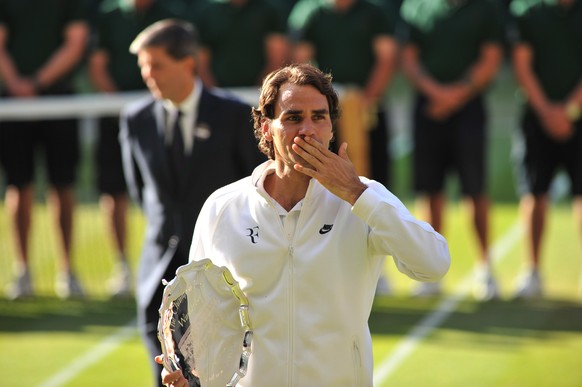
{"x": 446, "y": 100}
{"x": 174, "y": 379}
{"x": 21, "y": 87}
{"x": 335, "y": 172}
{"x": 556, "y": 122}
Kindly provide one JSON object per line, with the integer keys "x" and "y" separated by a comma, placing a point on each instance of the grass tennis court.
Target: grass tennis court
{"x": 447, "y": 341}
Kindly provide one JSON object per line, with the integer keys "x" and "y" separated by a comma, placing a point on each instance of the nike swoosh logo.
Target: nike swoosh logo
{"x": 325, "y": 229}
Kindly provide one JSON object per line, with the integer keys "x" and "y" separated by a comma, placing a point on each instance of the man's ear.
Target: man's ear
{"x": 192, "y": 63}
{"x": 266, "y": 127}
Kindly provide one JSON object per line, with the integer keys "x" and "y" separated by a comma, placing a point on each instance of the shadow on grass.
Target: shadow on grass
{"x": 396, "y": 316}
{"x": 49, "y": 314}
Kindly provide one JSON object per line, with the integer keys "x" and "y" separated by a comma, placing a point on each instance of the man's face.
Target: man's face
{"x": 165, "y": 77}
{"x": 299, "y": 111}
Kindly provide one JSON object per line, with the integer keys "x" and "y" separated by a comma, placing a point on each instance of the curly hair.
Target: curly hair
{"x": 297, "y": 74}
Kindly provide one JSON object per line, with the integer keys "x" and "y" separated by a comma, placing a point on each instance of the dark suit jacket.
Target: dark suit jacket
{"x": 224, "y": 150}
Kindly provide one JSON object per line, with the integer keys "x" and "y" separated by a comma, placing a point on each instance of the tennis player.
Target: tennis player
{"x": 307, "y": 238}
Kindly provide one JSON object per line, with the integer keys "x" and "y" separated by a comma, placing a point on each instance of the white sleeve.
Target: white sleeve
{"x": 417, "y": 249}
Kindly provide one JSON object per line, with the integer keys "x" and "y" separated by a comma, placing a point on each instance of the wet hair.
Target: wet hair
{"x": 179, "y": 38}
{"x": 296, "y": 74}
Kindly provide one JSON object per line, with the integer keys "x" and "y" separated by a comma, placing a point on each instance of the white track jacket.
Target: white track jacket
{"x": 311, "y": 294}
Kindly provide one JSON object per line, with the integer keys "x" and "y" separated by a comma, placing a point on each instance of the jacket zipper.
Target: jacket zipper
{"x": 291, "y": 353}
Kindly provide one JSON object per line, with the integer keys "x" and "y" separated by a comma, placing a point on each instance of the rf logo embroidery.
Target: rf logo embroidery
{"x": 253, "y": 233}
{"x": 325, "y": 229}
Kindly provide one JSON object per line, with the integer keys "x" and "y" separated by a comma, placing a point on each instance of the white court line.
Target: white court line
{"x": 385, "y": 369}
{"x": 92, "y": 356}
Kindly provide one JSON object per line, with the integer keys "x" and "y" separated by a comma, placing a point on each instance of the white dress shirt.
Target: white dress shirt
{"x": 189, "y": 109}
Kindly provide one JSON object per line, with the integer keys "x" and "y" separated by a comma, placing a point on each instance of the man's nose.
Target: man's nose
{"x": 308, "y": 128}
{"x": 146, "y": 72}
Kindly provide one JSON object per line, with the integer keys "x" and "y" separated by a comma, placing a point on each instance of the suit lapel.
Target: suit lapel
{"x": 160, "y": 117}
{"x": 204, "y": 106}
{"x": 203, "y": 117}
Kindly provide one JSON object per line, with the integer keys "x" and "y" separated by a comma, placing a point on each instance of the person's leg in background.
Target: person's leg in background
{"x": 17, "y": 148}
{"x": 381, "y": 162}
{"x": 62, "y": 202}
{"x": 485, "y": 286}
{"x": 471, "y": 163}
{"x": 380, "y": 165}
{"x": 430, "y": 162}
{"x": 19, "y": 207}
{"x": 432, "y": 205}
{"x": 533, "y": 209}
{"x": 114, "y": 202}
{"x": 62, "y": 148}
{"x": 114, "y": 207}
{"x": 537, "y": 166}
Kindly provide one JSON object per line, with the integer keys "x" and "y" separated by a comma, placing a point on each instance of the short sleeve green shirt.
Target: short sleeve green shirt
{"x": 555, "y": 35}
{"x": 450, "y": 37}
{"x": 35, "y": 29}
{"x": 235, "y": 36}
{"x": 343, "y": 41}
{"x": 116, "y": 27}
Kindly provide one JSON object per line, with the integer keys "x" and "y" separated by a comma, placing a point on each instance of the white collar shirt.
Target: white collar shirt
{"x": 288, "y": 218}
{"x": 189, "y": 116}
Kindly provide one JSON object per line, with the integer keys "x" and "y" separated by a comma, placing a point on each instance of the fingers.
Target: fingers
{"x": 343, "y": 151}
{"x": 316, "y": 154}
{"x": 335, "y": 172}
{"x": 175, "y": 379}
{"x": 308, "y": 148}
